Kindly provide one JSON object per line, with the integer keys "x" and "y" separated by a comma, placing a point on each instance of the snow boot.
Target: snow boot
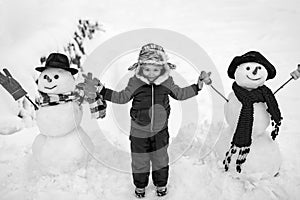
{"x": 140, "y": 192}
{"x": 161, "y": 191}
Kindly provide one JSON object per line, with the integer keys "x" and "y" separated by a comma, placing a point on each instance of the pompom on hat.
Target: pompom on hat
{"x": 251, "y": 56}
{"x": 152, "y": 54}
{"x": 57, "y": 60}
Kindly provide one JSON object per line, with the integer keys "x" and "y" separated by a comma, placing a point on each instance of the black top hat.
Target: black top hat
{"x": 57, "y": 60}
{"x": 251, "y": 56}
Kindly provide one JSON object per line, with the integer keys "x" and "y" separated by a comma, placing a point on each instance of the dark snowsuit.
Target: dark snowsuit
{"x": 149, "y": 113}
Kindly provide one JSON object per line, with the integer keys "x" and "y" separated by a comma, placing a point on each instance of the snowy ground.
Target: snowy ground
{"x": 223, "y": 28}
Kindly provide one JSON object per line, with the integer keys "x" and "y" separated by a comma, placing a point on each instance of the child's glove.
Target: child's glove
{"x": 11, "y": 85}
{"x": 90, "y": 86}
{"x": 204, "y": 77}
{"x": 296, "y": 74}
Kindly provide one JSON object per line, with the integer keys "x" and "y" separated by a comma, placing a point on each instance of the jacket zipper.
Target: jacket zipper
{"x": 152, "y": 108}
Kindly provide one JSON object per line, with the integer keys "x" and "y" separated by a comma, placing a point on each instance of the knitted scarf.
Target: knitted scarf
{"x": 242, "y": 135}
{"x": 97, "y": 105}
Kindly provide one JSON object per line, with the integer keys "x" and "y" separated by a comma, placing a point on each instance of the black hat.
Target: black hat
{"x": 57, "y": 60}
{"x": 251, "y": 56}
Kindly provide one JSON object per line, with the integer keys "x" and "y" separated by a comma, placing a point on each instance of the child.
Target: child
{"x": 149, "y": 89}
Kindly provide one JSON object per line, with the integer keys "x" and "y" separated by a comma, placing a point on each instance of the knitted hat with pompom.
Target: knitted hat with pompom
{"x": 152, "y": 54}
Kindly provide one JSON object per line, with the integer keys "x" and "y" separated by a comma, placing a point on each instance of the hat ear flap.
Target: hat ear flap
{"x": 172, "y": 66}
{"x": 133, "y": 67}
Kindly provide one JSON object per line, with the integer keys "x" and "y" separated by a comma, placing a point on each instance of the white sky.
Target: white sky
{"x": 223, "y": 28}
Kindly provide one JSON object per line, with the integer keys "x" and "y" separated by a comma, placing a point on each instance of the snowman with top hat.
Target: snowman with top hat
{"x": 62, "y": 145}
{"x": 246, "y": 146}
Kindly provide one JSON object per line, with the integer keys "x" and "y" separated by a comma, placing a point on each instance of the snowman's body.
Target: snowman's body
{"x": 62, "y": 145}
{"x": 264, "y": 157}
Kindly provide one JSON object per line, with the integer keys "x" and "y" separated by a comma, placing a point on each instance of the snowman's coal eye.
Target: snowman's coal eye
{"x": 259, "y": 67}
{"x": 45, "y": 76}
{"x": 56, "y": 76}
{"x": 247, "y": 68}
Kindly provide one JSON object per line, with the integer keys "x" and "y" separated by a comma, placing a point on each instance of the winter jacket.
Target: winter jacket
{"x": 150, "y": 101}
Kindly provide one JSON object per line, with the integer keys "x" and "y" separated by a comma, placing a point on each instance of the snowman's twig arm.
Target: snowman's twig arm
{"x": 34, "y": 105}
{"x": 283, "y": 85}
{"x": 218, "y": 92}
{"x": 295, "y": 75}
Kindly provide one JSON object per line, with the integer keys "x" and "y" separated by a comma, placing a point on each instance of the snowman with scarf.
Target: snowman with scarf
{"x": 247, "y": 145}
{"x": 62, "y": 145}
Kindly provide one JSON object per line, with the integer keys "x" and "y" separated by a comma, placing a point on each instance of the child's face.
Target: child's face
{"x": 151, "y": 72}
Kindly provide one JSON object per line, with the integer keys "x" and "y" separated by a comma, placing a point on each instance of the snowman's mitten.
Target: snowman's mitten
{"x": 205, "y": 77}
{"x": 89, "y": 92}
{"x": 296, "y": 74}
{"x": 90, "y": 86}
{"x": 11, "y": 85}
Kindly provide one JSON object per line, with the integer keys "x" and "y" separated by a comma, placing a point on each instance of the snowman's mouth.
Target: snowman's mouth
{"x": 50, "y": 88}
{"x": 253, "y": 79}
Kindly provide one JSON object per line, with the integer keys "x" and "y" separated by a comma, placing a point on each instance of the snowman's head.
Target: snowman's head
{"x": 250, "y": 75}
{"x": 56, "y": 81}
{"x": 251, "y": 70}
{"x": 56, "y": 76}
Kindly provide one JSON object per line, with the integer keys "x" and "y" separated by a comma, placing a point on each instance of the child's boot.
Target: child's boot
{"x": 140, "y": 192}
{"x": 161, "y": 191}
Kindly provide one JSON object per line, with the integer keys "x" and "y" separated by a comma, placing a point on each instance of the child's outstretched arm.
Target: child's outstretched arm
{"x": 123, "y": 96}
{"x": 179, "y": 93}
{"x": 92, "y": 87}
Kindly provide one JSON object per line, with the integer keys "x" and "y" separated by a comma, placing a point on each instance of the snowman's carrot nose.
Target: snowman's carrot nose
{"x": 48, "y": 79}
{"x": 255, "y": 71}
